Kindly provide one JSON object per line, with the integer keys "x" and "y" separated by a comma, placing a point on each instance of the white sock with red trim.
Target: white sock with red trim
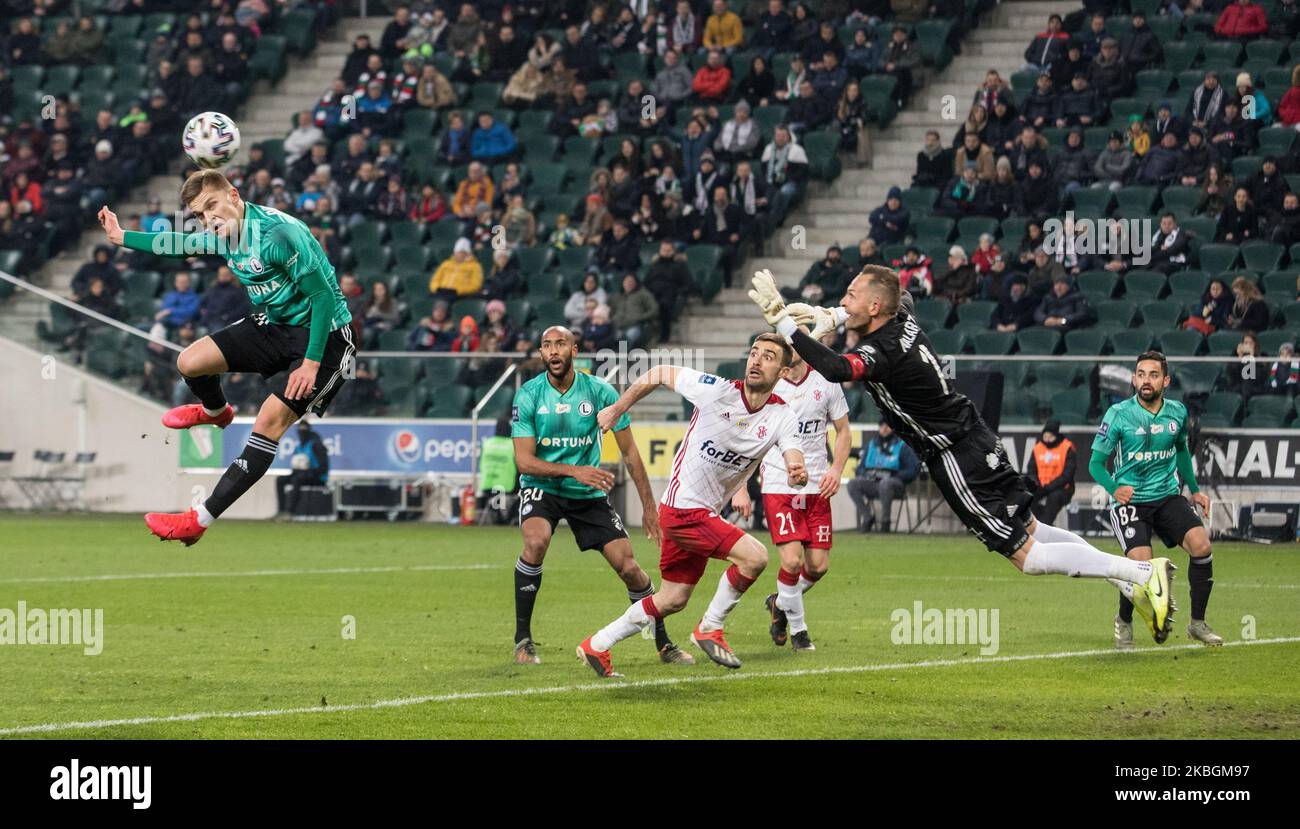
{"x": 731, "y": 587}
{"x": 789, "y": 599}
{"x": 638, "y": 615}
{"x": 807, "y": 580}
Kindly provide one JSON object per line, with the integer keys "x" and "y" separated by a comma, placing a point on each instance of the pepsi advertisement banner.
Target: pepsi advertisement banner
{"x": 356, "y": 446}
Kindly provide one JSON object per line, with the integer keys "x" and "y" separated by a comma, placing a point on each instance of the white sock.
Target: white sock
{"x": 1050, "y": 534}
{"x": 632, "y": 620}
{"x": 789, "y": 599}
{"x": 1126, "y": 588}
{"x": 213, "y": 412}
{"x": 205, "y": 518}
{"x": 805, "y": 584}
{"x": 1082, "y": 561}
{"x": 725, "y": 599}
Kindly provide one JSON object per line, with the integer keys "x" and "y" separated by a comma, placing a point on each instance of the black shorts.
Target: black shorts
{"x": 1171, "y": 518}
{"x": 984, "y": 489}
{"x": 593, "y": 520}
{"x": 274, "y": 350}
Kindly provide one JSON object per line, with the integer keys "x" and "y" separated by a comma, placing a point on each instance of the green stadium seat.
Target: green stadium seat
{"x": 1223, "y": 343}
{"x": 1246, "y": 166}
{"x": 453, "y": 401}
{"x": 1181, "y": 343}
{"x": 1201, "y": 229}
{"x": 1098, "y": 284}
{"x": 975, "y": 315}
{"x": 1180, "y": 200}
{"x": 96, "y": 77}
{"x": 1262, "y": 256}
{"x": 1144, "y": 286}
{"x": 1196, "y": 378}
{"x": 1116, "y": 313}
{"x": 60, "y": 80}
{"x": 1276, "y": 141}
{"x": 822, "y": 148}
{"x": 993, "y": 342}
{"x": 947, "y": 341}
{"x": 268, "y": 60}
{"x": 1179, "y": 56}
{"x": 933, "y": 314}
{"x": 1216, "y": 258}
{"x": 1153, "y": 84}
{"x": 1131, "y": 342}
{"x": 1072, "y": 405}
{"x": 932, "y": 230}
{"x": 1043, "y": 341}
{"x": 1224, "y": 404}
{"x": 299, "y": 30}
{"x": 919, "y": 201}
{"x": 1095, "y": 201}
{"x": 1085, "y": 341}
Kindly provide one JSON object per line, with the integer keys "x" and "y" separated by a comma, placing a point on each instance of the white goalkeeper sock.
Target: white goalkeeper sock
{"x": 213, "y": 412}
{"x": 632, "y": 620}
{"x": 1049, "y": 534}
{"x": 1082, "y": 561}
{"x": 1126, "y": 588}
{"x": 789, "y": 599}
{"x": 731, "y": 587}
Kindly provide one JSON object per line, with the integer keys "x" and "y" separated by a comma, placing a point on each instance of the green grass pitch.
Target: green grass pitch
{"x": 256, "y": 623}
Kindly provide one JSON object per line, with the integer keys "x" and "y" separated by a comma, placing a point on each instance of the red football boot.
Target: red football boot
{"x": 715, "y": 647}
{"x": 183, "y": 417}
{"x": 598, "y": 661}
{"x": 175, "y": 526}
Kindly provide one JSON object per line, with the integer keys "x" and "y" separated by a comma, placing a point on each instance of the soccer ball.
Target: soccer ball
{"x": 211, "y": 140}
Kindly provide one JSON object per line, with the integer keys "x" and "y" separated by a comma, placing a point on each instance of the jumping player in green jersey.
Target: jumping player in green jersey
{"x": 301, "y": 326}
{"x": 1147, "y": 437}
{"x": 557, "y": 449}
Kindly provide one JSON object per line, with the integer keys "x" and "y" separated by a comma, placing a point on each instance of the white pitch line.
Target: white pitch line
{"x": 1217, "y": 584}
{"x": 402, "y": 702}
{"x": 215, "y": 574}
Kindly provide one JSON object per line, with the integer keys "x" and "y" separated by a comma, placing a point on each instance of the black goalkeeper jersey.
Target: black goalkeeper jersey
{"x": 898, "y": 366}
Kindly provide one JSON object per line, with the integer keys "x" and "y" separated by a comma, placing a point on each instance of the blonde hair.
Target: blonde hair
{"x": 884, "y": 282}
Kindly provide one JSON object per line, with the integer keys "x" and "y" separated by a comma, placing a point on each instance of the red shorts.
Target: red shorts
{"x": 690, "y": 538}
{"x": 805, "y": 518}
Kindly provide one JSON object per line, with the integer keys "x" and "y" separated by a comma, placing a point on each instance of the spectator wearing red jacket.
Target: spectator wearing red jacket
{"x": 1288, "y": 111}
{"x": 1243, "y": 20}
{"x": 713, "y": 79}
{"x": 469, "y": 337}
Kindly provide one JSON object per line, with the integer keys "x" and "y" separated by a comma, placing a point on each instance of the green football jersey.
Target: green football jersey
{"x": 278, "y": 262}
{"x": 565, "y": 428}
{"x": 1145, "y": 447}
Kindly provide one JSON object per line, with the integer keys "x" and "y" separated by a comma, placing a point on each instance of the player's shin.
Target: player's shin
{"x": 208, "y": 390}
{"x": 528, "y": 583}
{"x": 247, "y": 470}
{"x": 1047, "y": 533}
{"x": 633, "y": 619}
{"x": 1082, "y": 561}
{"x": 661, "y": 633}
{"x": 1200, "y": 580}
{"x": 731, "y": 587}
{"x": 789, "y": 599}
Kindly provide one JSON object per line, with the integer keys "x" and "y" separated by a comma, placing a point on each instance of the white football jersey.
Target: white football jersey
{"x": 725, "y": 440}
{"x": 816, "y": 402}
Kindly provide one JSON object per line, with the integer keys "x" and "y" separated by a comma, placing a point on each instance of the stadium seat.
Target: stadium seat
{"x": 1262, "y": 256}
{"x": 975, "y": 315}
{"x": 1085, "y": 341}
{"x": 1094, "y": 201}
{"x": 1131, "y": 342}
{"x": 1224, "y": 404}
{"x": 1216, "y": 258}
{"x": 1019, "y": 410}
{"x": 1143, "y": 286}
{"x": 919, "y": 200}
{"x": 1098, "y": 284}
{"x": 1044, "y": 341}
{"x": 1281, "y": 284}
{"x": 299, "y": 30}
{"x": 993, "y": 342}
{"x": 822, "y": 148}
{"x": 1223, "y": 343}
{"x": 932, "y": 230}
{"x": 1270, "y": 341}
{"x": 1072, "y": 405}
{"x": 1116, "y": 313}
{"x": 1181, "y": 343}
{"x": 1196, "y": 378}
{"x": 1179, "y": 56}
{"x": 947, "y": 341}
{"x": 933, "y": 314}
{"x": 453, "y": 401}
{"x": 1268, "y": 410}
{"x": 1276, "y": 140}
{"x": 1246, "y": 166}
{"x": 1187, "y": 286}
{"x": 1153, "y": 84}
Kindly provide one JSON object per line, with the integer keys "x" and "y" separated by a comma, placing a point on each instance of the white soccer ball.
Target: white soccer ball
{"x": 211, "y": 140}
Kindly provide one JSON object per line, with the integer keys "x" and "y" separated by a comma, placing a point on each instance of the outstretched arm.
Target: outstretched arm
{"x": 636, "y": 469}
{"x": 176, "y": 245}
{"x": 646, "y": 383}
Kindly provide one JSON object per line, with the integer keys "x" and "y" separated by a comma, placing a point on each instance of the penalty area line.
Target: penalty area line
{"x": 401, "y": 702}
{"x": 217, "y": 574}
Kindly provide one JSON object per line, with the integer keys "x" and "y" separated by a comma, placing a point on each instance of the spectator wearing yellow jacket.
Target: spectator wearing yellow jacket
{"x": 459, "y": 276}
{"x": 723, "y": 30}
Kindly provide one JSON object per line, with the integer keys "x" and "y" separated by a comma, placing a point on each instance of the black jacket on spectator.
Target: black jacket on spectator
{"x": 934, "y": 171}
{"x": 733, "y": 222}
{"x": 1073, "y": 105}
{"x": 1073, "y": 164}
{"x": 356, "y": 64}
{"x": 881, "y": 217}
{"x": 222, "y": 305}
{"x": 1242, "y": 224}
{"x": 1267, "y": 192}
{"x": 1110, "y": 80}
{"x": 1284, "y": 226}
{"x": 1174, "y": 257}
{"x": 1037, "y": 196}
{"x": 618, "y": 256}
{"x": 1021, "y": 157}
{"x": 1140, "y": 50}
{"x": 1073, "y": 308}
{"x": 361, "y": 196}
{"x": 772, "y": 32}
{"x": 393, "y": 32}
{"x": 1019, "y": 313}
{"x": 1039, "y": 105}
{"x": 1194, "y": 161}
{"x": 812, "y": 112}
{"x": 1158, "y": 166}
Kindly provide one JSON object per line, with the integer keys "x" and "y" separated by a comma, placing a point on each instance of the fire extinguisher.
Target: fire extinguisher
{"x": 467, "y": 505}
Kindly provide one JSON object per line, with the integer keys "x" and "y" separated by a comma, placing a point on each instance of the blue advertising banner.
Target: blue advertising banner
{"x": 361, "y": 445}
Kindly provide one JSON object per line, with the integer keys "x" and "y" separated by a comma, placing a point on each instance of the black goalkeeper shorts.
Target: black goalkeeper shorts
{"x": 274, "y": 351}
{"x": 984, "y": 489}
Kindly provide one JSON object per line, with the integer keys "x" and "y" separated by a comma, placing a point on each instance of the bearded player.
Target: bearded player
{"x": 1147, "y": 436}
{"x": 799, "y": 518}
{"x": 557, "y": 451}
{"x": 734, "y": 426}
{"x": 301, "y": 326}
{"x": 896, "y": 363}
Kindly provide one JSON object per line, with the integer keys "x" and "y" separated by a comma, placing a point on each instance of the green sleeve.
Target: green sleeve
{"x": 1107, "y": 433}
{"x": 1097, "y": 469}
{"x": 179, "y": 245}
{"x": 311, "y": 283}
{"x": 521, "y": 415}
{"x": 1183, "y": 458}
